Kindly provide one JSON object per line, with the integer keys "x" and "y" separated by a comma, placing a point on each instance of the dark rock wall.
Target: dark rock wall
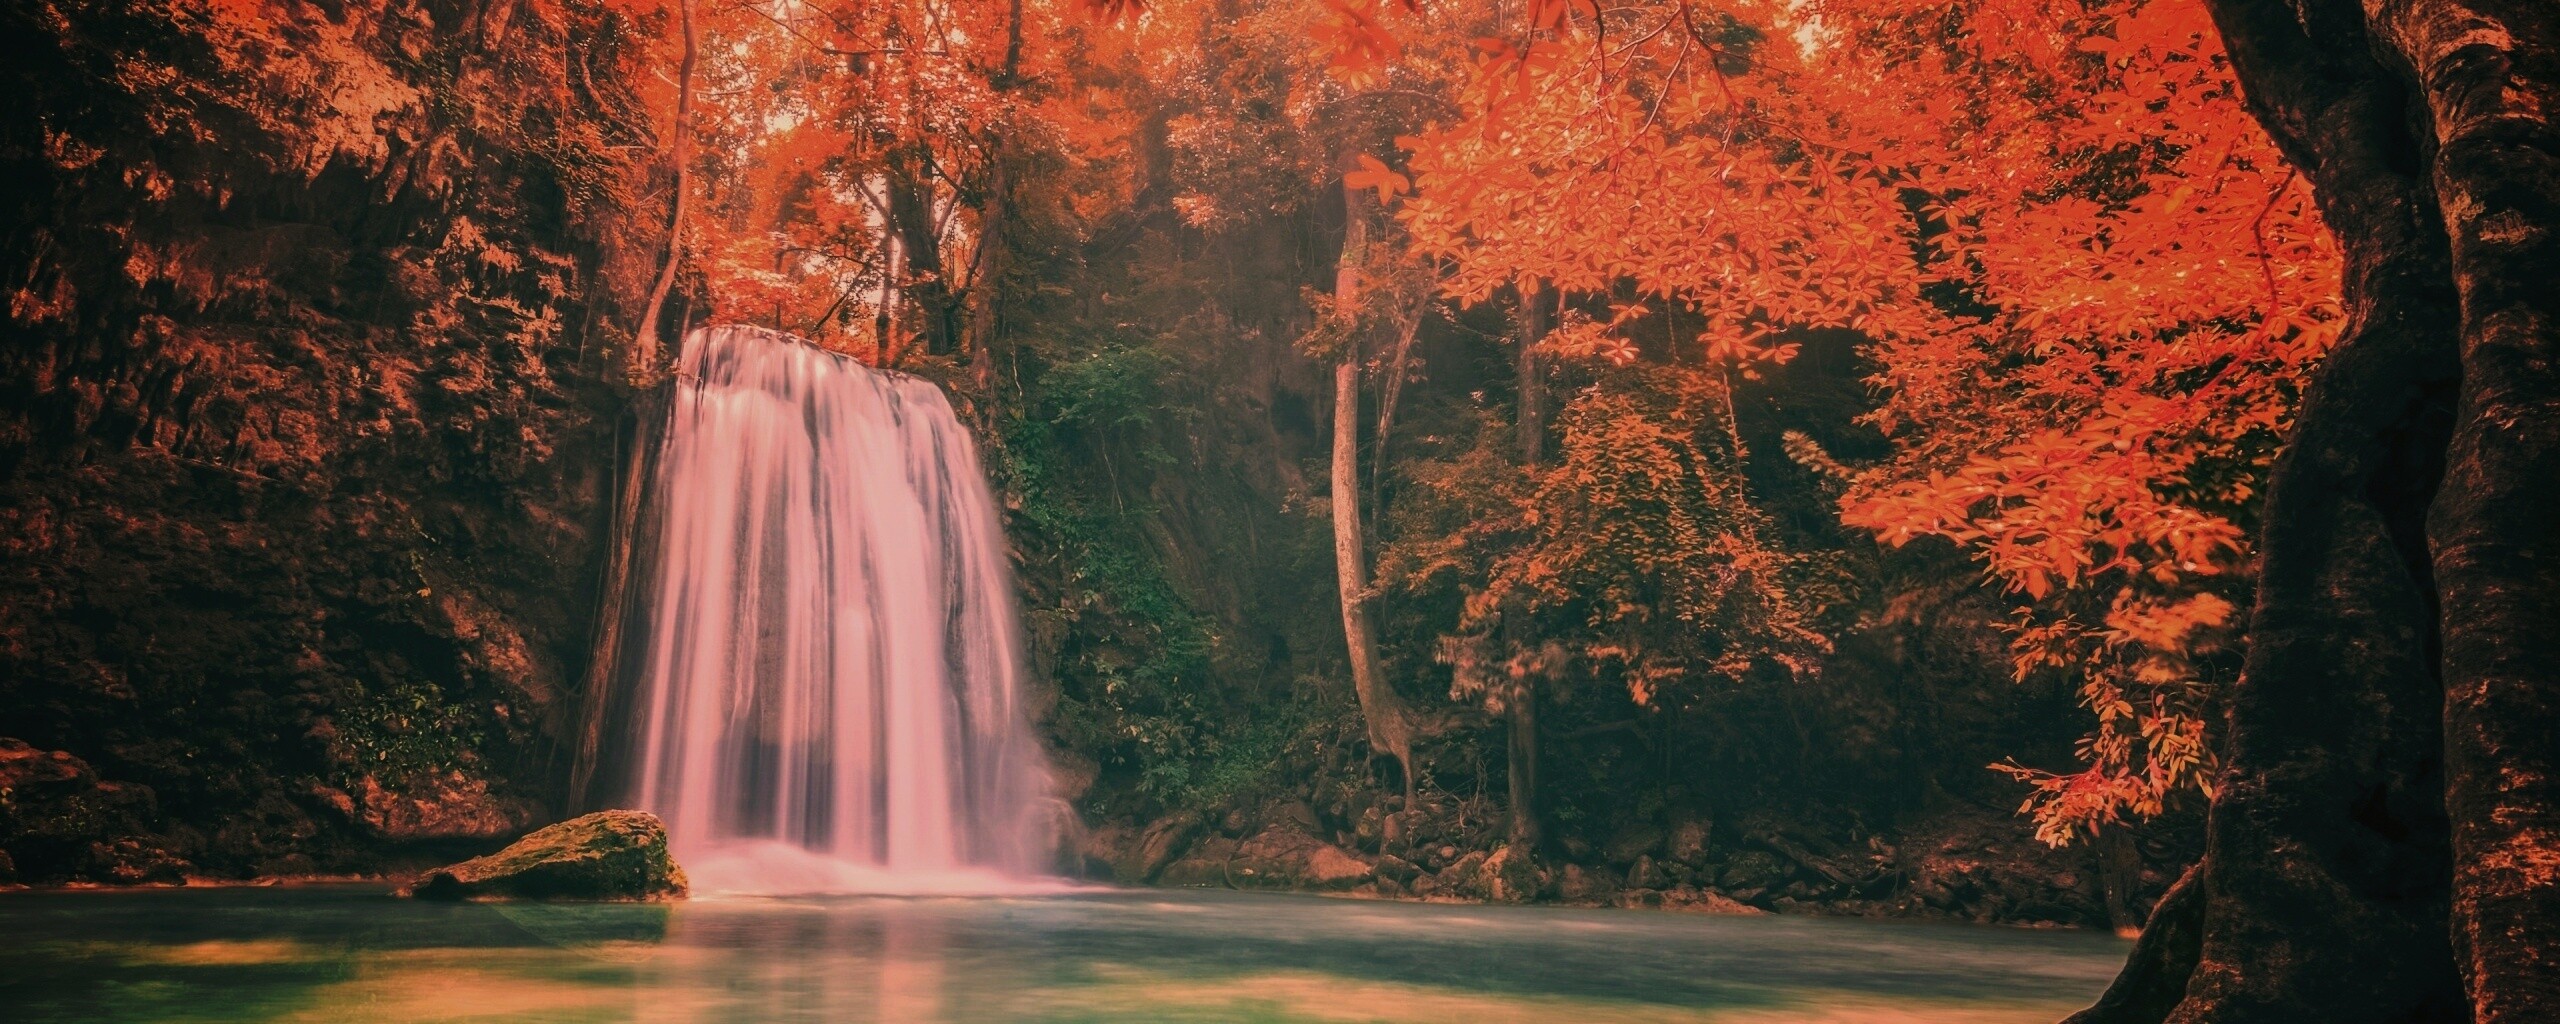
{"x": 308, "y": 418}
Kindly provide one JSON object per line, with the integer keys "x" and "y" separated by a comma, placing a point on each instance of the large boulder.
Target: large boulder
{"x": 1157, "y": 847}
{"x": 608, "y": 855}
{"x": 1282, "y": 857}
{"x": 1687, "y": 843}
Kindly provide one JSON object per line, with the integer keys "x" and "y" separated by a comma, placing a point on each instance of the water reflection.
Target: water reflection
{"x": 345, "y": 954}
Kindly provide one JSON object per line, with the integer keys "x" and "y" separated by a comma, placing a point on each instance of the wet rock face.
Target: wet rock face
{"x": 451, "y": 806}
{"x": 609, "y": 855}
{"x": 307, "y": 412}
{"x": 58, "y": 820}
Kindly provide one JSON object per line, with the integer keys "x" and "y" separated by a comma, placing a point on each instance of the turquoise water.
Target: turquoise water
{"x": 353, "y": 953}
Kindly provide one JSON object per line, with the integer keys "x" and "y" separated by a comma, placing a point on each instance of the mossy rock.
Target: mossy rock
{"x": 608, "y": 855}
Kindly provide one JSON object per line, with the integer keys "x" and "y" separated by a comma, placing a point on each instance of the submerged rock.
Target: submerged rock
{"x": 608, "y": 855}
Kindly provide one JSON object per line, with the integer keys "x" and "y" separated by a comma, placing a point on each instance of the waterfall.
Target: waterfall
{"x": 828, "y": 672}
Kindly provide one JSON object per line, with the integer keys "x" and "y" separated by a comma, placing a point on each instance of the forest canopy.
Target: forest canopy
{"x": 2024, "y": 461}
{"x": 2079, "y": 287}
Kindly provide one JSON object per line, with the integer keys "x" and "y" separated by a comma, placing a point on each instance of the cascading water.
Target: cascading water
{"x": 829, "y": 676}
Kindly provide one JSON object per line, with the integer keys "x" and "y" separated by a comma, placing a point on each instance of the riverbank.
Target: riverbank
{"x": 1961, "y": 863}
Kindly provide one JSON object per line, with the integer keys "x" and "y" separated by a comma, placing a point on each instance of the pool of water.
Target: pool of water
{"x": 354, "y": 953}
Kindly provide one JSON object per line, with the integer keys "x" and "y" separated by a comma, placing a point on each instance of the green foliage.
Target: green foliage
{"x": 404, "y": 728}
{"x": 1131, "y": 658}
{"x": 1640, "y": 557}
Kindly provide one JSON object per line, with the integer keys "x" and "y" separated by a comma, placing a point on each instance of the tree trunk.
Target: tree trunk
{"x": 911, "y": 215}
{"x": 1390, "y": 729}
{"x": 2488, "y": 72}
{"x": 1532, "y": 422}
{"x": 2119, "y": 871}
{"x": 644, "y": 342}
{"x": 982, "y": 337}
{"x": 1531, "y": 435}
{"x": 2383, "y": 834}
{"x": 1522, "y": 756}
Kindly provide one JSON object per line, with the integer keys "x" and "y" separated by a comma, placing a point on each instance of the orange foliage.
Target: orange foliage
{"x": 2088, "y": 284}
{"x": 852, "y": 152}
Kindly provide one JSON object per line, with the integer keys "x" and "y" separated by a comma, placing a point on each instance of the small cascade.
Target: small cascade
{"x": 827, "y": 672}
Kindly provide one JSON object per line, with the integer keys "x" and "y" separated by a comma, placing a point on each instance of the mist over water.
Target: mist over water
{"x": 830, "y": 671}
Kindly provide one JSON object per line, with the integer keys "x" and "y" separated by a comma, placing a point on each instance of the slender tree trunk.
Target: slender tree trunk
{"x": 1390, "y": 729}
{"x": 884, "y": 322}
{"x": 1532, "y": 424}
{"x": 1521, "y": 754}
{"x": 2382, "y": 848}
{"x": 980, "y": 334}
{"x": 1527, "y": 821}
{"x": 644, "y": 342}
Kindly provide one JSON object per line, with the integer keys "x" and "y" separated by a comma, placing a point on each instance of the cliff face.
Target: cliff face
{"x": 308, "y": 417}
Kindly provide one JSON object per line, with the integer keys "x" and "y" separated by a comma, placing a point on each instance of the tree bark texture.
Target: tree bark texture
{"x": 2382, "y": 847}
{"x": 1532, "y": 374}
{"x": 2488, "y": 72}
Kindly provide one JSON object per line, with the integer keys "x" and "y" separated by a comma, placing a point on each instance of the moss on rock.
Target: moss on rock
{"x": 608, "y": 855}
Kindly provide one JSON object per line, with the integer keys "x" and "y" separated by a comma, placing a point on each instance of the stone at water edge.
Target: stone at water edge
{"x": 608, "y": 855}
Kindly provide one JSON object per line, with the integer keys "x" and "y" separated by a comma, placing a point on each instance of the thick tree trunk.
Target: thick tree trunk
{"x": 1390, "y": 729}
{"x": 2154, "y": 979}
{"x": 2335, "y": 885}
{"x": 2489, "y": 74}
{"x": 644, "y": 342}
